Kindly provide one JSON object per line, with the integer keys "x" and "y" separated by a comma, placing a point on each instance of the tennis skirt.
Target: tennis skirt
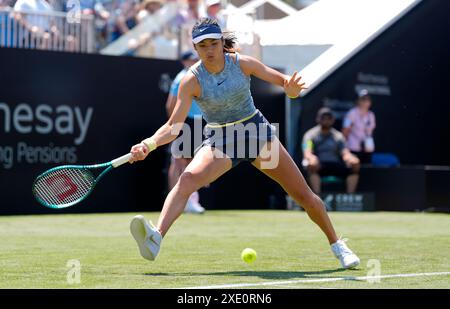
{"x": 241, "y": 140}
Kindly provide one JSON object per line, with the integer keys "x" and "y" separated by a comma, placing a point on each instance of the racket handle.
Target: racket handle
{"x": 121, "y": 160}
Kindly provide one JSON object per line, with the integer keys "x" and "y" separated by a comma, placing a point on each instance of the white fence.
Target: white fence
{"x": 56, "y": 31}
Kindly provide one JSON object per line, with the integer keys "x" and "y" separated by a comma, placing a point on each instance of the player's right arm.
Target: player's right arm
{"x": 189, "y": 87}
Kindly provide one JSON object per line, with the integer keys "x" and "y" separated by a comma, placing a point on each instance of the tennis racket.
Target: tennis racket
{"x": 67, "y": 185}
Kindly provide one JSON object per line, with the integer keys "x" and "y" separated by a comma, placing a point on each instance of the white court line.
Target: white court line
{"x": 272, "y": 283}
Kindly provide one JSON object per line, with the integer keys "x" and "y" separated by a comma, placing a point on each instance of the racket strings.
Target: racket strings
{"x": 64, "y": 186}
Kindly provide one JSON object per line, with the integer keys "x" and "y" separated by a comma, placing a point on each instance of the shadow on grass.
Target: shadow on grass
{"x": 267, "y": 274}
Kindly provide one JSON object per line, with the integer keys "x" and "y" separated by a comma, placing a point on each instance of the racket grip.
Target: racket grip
{"x": 121, "y": 160}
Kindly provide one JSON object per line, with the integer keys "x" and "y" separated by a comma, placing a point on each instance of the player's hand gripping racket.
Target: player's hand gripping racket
{"x": 67, "y": 185}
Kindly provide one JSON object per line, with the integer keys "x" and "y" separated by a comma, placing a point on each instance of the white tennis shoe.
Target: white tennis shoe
{"x": 147, "y": 237}
{"x": 346, "y": 256}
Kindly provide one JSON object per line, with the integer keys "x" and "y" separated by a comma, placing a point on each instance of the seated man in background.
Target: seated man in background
{"x": 325, "y": 154}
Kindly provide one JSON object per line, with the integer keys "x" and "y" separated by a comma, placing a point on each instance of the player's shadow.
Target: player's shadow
{"x": 279, "y": 274}
{"x": 263, "y": 274}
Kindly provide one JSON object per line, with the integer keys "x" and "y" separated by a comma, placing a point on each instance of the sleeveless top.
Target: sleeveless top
{"x": 225, "y": 96}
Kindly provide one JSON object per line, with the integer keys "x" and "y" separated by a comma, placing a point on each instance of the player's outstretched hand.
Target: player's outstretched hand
{"x": 294, "y": 86}
{"x": 138, "y": 152}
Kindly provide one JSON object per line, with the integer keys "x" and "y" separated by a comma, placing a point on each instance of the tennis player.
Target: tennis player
{"x": 220, "y": 84}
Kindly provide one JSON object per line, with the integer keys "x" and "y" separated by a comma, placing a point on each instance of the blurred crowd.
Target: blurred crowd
{"x": 113, "y": 18}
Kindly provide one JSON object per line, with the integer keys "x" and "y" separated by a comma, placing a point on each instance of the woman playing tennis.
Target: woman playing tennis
{"x": 220, "y": 83}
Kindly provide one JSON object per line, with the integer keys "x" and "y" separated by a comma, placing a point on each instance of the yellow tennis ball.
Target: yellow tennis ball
{"x": 248, "y": 255}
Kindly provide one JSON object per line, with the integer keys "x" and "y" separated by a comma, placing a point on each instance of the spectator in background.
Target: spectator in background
{"x": 148, "y": 8}
{"x": 87, "y": 7}
{"x": 126, "y": 18}
{"x": 36, "y": 24}
{"x": 39, "y": 28}
{"x": 358, "y": 127}
{"x": 6, "y": 4}
{"x": 213, "y": 10}
{"x": 104, "y": 22}
{"x": 325, "y": 153}
{"x": 187, "y": 16}
{"x": 181, "y": 24}
{"x": 178, "y": 165}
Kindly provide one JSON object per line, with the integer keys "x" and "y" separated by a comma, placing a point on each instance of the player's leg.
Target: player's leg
{"x": 176, "y": 168}
{"x": 207, "y": 165}
{"x": 288, "y": 175}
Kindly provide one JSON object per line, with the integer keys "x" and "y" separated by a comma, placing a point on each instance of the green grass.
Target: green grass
{"x": 204, "y": 250}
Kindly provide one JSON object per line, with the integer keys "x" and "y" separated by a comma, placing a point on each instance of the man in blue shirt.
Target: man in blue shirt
{"x": 325, "y": 153}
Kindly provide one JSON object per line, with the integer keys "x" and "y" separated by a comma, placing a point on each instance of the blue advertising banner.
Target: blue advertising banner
{"x": 60, "y": 108}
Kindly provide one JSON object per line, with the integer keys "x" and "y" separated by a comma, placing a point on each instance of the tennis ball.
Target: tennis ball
{"x": 248, "y": 255}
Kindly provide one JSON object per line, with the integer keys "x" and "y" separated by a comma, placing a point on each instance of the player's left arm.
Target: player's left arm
{"x": 292, "y": 84}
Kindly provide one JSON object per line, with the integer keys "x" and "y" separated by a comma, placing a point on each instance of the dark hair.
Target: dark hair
{"x": 229, "y": 38}
{"x": 324, "y": 111}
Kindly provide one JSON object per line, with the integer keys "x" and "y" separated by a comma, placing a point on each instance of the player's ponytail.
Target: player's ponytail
{"x": 230, "y": 40}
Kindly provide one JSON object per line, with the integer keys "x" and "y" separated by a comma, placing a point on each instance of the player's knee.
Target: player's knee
{"x": 309, "y": 200}
{"x": 188, "y": 183}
